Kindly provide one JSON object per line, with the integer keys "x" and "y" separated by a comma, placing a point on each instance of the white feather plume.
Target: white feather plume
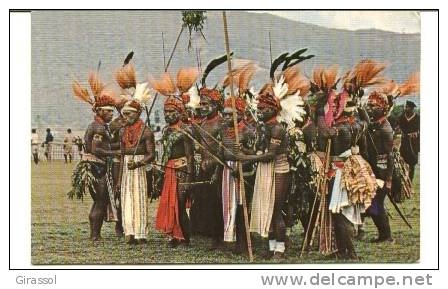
{"x": 251, "y": 102}
{"x": 280, "y": 88}
{"x": 292, "y": 110}
{"x": 142, "y": 93}
{"x": 194, "y": 97}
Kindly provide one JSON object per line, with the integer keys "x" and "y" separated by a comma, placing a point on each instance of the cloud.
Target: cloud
{"x": 395, "y": 21}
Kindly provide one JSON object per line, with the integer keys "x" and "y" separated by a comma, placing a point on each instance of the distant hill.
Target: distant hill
{"x": 66, "y": 44}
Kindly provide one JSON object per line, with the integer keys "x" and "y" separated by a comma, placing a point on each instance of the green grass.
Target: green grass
{"x": 60, "y": 233}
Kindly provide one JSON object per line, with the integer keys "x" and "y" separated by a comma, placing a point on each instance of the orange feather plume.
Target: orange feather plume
{"x": 245, "y": 76}
{"x": 126, "y": 76}
{"x": 318, "y": 76}
{"x": 389, "y": 88}
{"x": 330, "y": 76}
{"x": 325, "y": 79}
{"x": 366, "y": 73}
{"x": 296, "y": 81}
{"x": 81, "y": 92}
{"x": 186, "y": 77}
{"x": 96, "y": 85}
{"x": 411, "y": 85}
{"x": 165, "y": 85}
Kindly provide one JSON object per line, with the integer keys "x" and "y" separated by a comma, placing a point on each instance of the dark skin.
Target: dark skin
{"x": 277, "y": 145}
{"x": 245, "y": 136}
{"x": 343, "y": 136}
{"x": 380, "y": 143}
{"x": 277, "y": 132}
{"x": 115, "y": 126}
{"x": 212, "y": 125}
{"x": 206, "y": 211}
{"x": 229, "y": 142}
{"x": 182, "y": 148}
{"x": 145, "y": 147}
{"x": 97, "y": 140}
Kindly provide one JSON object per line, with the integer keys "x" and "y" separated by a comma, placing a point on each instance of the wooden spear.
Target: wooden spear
{"x": 237, "y": 139}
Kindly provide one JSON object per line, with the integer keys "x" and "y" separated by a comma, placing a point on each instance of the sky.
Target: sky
{"x": 395, "y": 21}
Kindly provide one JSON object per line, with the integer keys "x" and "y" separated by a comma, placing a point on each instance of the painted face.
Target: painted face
{"x": 375, "y": 112}
{"x": 130, "y": 116}
{"x": 106, "y": 114}
{"x": 171, "y": 115}
{"x": 265, "y": 113}
{"x": 228, "y": 116}
{"x": 207, "y": 107}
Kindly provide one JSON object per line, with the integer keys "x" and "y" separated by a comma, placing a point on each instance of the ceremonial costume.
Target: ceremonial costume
{"x": 93, "y": 172}
{"x": 177, "y": 158}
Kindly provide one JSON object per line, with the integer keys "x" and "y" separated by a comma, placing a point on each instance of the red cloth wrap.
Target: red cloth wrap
{"x": 167, "y": 220}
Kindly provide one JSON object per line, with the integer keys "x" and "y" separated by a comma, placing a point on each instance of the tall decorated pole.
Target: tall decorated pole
{"x": 237, "y": 139}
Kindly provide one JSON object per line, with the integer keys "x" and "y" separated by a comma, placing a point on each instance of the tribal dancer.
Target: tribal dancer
{"x": 276, "y": 103}
{"x": 381, "y": 158}
{"x": 137, "y": 147}
{"x": 97, "y": 156}
{"x": 177, "y": 159}
{"x": 206, "y": 208}
{"x": 115, "y": 126}
{"x": 352, "y": 184}
{"x": 232, "y": 206}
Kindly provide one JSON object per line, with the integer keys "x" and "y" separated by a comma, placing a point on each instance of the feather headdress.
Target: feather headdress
{"x": 101, "y": 98}
{"x": 126, "y": 76}
{"x": 96, "y": 85}
{"x": 186, "y": 79}
{"x": 325, "y": 79}
{"x": 81, "y": 92}
{"x": 183, "y": 89}
{"x": 138, "y": 94}
{"x": 364, "y": 74}
{"x": 287, "y": 91}
{"x": 241, "y": 76}
{"x": 411, "y": 85}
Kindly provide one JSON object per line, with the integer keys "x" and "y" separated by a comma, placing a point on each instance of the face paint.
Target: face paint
{"x": 207, "y": 108}
{"x": 106, "y": 114}
{"x": 130, "y": 116}
{"x": 171, "y": 116}
{"x": 228, "y": 116}
{"x": 374, "y": 112}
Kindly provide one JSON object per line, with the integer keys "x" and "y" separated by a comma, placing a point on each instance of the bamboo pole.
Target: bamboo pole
{"x": 237, "y": 138}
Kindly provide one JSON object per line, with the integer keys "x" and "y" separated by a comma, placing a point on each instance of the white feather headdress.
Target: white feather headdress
{"x": 292, "y": 105}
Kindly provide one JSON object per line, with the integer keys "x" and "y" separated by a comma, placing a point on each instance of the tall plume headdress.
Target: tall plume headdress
{"x": 137, "y": 94}
{"x": 215, "y": 94}
{"x": 241, "y": 77}
{"x": 366, "y": 73}
{"x": 179, "y": 93}
{"x": 287, "y": 88}
{"x": 101, "y": 97}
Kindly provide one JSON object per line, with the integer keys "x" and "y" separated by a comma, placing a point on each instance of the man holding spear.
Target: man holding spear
{"x": 232, "y": 206}
{"x": 177, "y": 159}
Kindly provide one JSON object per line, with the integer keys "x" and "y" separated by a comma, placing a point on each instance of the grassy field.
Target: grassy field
{"x": 60, "y": 233}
